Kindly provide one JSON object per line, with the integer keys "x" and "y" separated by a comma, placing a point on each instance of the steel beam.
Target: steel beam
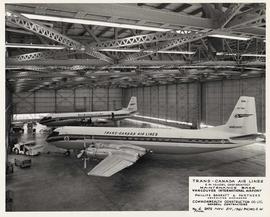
{"x": 87, "y": 29}
{"x": 39, "y": 29}
{"x": 242, "y": 21}
{"x": 257, "y": 31}
{"x": 182, "y": 39}
{"x": 77, "y": 64}
{"x": 231, "y": 12}
{"x": 49, "y": 33}
{"x": 123, "y": 12}
{"x": 138, "y": 39}
{"x": 44, "y": 55}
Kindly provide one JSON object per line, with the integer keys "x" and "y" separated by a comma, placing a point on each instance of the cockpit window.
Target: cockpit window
{"x": 45, "y": 119}
{"x": 54, "y": 133}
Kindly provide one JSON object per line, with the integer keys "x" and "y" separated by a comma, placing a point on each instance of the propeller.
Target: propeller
{"x": 83, "y": 152}
{"x": 86, "y": 121}
{"x": 112, "y": 116}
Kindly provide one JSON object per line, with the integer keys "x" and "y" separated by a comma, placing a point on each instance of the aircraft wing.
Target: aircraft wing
{"x": 116, "y": 162}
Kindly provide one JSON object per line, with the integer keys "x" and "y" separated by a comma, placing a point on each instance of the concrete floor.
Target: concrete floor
{"x": 156, "y": 182}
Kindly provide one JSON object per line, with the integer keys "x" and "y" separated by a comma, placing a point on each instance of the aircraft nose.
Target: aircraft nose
{"x": 44, "y": 120}
{"x": 52, "y": 136}
{"x": 48, "y": 139}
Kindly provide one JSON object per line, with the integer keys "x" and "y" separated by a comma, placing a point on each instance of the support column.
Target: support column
{"x": 55, "y": 101}
{"x": 143, "y": 100}
{"x": 158, "y": 100}
{"x": 222, "y": 103}
{"x": 92, "y": 100}
{"x": 150, "y": 103}
{"x": 74, "y": 100}
{"x": 123, "y": 98}
{"x": 34, "y": 94}
{"x": 167, "y": 101}
{"x": 188, "y": 102}
{"x": 199, "y": 101}
{"x": 176, "y": 102}
{"x": 108, "y": 99}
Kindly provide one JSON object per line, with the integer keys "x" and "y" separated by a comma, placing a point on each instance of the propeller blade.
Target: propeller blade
{"x": 84, "y": 163}
{"x": 80, "y": 154}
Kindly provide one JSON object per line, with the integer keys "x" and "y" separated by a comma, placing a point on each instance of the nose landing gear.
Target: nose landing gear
{"x": 67, "y": 153}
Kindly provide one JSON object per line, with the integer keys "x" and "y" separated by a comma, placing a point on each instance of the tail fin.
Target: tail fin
{"x": 132, "y": 106}
{"x": 243, "y": 119}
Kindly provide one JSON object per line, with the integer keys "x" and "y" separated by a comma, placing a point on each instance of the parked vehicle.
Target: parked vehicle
{"x": 17, "y": 126}
{"x": 27, "y": 148}
{"x": 22, "y": 163}
{"x": 29, "y": 125}
{"x": 9, "y": 168}
{"x": 9, "y": 200}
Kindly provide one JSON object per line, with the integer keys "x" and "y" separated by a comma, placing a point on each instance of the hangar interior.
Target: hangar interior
{"x": 186, "y": 63}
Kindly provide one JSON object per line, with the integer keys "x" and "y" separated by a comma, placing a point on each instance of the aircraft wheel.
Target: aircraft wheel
{"x": 16, "y": 151}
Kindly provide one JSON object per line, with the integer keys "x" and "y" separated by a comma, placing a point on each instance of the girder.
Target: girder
{"x": 182, "y": 39}
{"x": 242, "y": 20}
{"x": 39, "y": 29}
{"x": 123, "y": 13}
{"x": 139, "y": 39}
{"x": 81, "y": 64}
{"x": 49, "y": 33}
{"x": 45, "y": 55}
{"x": 231, "y": 12}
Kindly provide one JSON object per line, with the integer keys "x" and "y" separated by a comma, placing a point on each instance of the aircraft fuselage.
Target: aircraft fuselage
{"x": 153, "y": 140}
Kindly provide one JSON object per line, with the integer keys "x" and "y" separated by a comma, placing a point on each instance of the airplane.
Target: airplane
{"x": 90, "y": 118}
{"x": 122, "y": 147}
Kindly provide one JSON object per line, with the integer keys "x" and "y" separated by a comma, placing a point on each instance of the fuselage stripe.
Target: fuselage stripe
{"x": 137, "y": 138}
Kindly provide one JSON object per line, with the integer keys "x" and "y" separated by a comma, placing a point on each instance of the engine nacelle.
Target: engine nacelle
{"x": 126, "y": 151}
{"x": 97, "y": 153}
{"x": 101, "y": 121}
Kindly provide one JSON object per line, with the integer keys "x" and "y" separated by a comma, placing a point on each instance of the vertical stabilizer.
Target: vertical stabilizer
{"x": 243, "y": 119}
{"x": 132, "y": 106}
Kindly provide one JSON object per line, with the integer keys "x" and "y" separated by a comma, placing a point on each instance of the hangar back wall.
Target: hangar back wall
{"x": 66, "y": 100}
{"x": 208, "y": 102}
{"x": 211, "y": 102}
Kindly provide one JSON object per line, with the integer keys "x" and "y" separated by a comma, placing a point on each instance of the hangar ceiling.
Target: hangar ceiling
{"x": 57, "y": 46}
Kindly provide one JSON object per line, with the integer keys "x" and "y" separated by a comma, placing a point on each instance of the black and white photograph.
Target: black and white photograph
{"x": 117, "y": 106}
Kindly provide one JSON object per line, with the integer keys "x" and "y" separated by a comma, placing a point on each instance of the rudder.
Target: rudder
{"x": 132, "y": 106}
{"x": 243, "y": 119}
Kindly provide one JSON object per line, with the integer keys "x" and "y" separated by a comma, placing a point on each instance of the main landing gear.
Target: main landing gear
{"x": 67, "y": 153}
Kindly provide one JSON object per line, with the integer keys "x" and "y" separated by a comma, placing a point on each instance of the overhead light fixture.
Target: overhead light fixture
{"x": 165, "y": 120}
{"x": 121, "y": 50}
{"x": 147, "y": 51}
{"x": 229, "y": 37}
{"x": 177, "y": 52}
{"x": 253, "y": 55}
{"x": 93, "y": 22}
{"x": 243, "y": 55}
{"x": 35, "y": 46}
{"x": 225, "y": 54}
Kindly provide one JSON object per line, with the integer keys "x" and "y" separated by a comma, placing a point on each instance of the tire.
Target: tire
{"x": 16, "y": 151}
